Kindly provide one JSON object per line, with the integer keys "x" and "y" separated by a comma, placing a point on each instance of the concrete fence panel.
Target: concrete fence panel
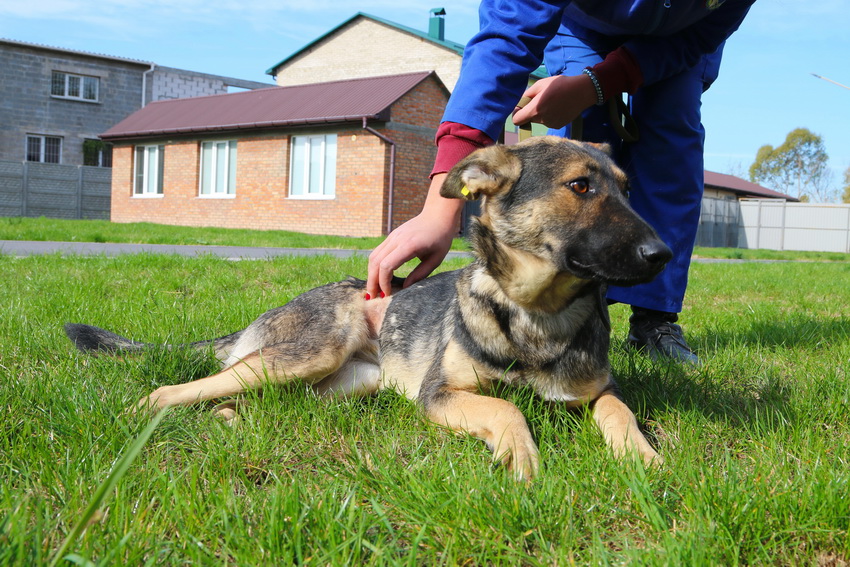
{"x": 29, "y": 189}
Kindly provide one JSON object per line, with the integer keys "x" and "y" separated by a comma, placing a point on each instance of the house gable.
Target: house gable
{"x": 365, "y": 46}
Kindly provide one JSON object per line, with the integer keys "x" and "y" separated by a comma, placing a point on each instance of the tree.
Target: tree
{"x": 798, "y": 167}
{"x": 845, "y": 197}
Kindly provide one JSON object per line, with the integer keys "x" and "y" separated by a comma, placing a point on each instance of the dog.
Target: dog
{"x": 555, "y": 228}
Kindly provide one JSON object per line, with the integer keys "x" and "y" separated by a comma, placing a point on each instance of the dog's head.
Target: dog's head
{"x": 563, "y": 202}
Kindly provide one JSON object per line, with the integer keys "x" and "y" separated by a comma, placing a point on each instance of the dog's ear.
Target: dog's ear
{"x": 484, "y": 172}
{"x": 604, "y": 147}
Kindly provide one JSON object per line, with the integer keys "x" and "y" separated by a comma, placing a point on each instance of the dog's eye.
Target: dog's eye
{"x": 580, "y": 186}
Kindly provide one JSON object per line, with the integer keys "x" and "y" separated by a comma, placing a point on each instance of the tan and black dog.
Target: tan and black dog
{"x": 555, "y": 228}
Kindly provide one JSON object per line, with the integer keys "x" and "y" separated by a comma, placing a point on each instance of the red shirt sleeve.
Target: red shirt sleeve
{"x": 618, "y": 73}
{"x": 455, "y": 142}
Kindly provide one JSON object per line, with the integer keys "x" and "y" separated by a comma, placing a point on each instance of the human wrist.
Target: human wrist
{"x": 438, "y": 209}
{"x": 597, "y": 86}
{"x": 618, "y": 73}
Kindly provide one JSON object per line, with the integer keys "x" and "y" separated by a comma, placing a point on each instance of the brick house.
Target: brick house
{"x": 347, "y": 157}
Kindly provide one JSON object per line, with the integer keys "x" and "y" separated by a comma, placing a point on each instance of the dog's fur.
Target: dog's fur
{"x": 555, "y": 228}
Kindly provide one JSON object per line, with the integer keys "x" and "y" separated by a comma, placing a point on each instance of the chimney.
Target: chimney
{"x": 437, "y": 24}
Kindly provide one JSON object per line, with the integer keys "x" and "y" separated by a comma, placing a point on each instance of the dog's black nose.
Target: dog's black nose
{"x": 655, "y": 253}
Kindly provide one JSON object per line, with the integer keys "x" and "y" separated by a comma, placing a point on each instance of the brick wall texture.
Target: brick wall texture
{"x": 367, "y": 48}
{"x": 261, "y": 201}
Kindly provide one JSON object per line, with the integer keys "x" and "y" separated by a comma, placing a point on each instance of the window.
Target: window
{"x": 97, "y": 153}
{"x": 147, "y": 173}
{"x": 218, "y": 168}
{"x": 46, "y": 149}
{"x": 80, "y": 87}
{"x": 313, "y": 166}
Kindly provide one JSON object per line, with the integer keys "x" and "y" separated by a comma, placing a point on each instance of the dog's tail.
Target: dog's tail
{"x": 88, "y": 338}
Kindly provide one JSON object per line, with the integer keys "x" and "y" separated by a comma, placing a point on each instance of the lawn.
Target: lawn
{"x": 756, "y": 441}
{"x": 43, "y": 229}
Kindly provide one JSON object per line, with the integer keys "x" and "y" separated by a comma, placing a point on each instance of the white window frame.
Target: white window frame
{"x": 306, "y": 182}
{"x": 68, "y": 88}
{"x": 153, "y": 159}
{"x": 212, "y": 183}
{"x": 42, "y": 148}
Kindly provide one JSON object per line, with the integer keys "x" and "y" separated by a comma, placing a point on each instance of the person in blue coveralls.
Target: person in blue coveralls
{"x": 663, "y": 53}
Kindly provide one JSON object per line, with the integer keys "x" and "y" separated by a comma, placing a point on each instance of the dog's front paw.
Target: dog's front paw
{"x": 651, "y": 459}
{"x": 157, "y": 400}
{"x": 229, "y": 411}
{"x": 521, "y": 458}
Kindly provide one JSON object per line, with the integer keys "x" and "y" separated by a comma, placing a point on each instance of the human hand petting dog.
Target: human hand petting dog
{"x": 556, "y": 101}
{"x": 427, "y": 236}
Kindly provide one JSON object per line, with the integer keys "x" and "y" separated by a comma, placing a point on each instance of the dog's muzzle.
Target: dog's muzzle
{"x": 620, "y": 264}
{"x": 655, "y": 255}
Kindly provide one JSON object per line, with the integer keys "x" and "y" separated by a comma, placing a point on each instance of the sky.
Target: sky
{"x": 765, "y": 89}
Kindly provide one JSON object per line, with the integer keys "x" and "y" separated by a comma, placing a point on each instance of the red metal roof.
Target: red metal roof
{"x": 741, "y": 187}
{"x": 314, "y": 104}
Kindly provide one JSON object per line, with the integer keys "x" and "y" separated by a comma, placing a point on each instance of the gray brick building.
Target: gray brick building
{"x": 55, "y": 102}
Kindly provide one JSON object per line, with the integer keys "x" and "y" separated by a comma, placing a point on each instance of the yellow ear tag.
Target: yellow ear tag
{"x": 464, "y": 191}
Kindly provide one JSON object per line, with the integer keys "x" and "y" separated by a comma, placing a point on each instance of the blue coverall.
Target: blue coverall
{"x": 678, "y": 45}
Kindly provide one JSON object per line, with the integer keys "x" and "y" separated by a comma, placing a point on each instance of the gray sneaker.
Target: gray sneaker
{"x": 660, "y": 338}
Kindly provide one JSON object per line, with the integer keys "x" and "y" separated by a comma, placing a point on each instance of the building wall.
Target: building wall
{"x": 718, "y": 193}
{"x": 27, "y": 107}
{"x": 413, "y": 125}
{"x": 262, "y": 200}
{"x": 169, "y": 83}
{"x": 367, "y": 48}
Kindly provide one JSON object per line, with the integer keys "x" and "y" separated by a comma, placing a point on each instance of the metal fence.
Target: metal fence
{"x": 32, "y": 189}
{"x": 774, "y": 225}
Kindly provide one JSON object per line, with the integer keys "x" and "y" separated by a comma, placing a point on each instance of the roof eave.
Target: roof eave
{"x": 234, "y": 128}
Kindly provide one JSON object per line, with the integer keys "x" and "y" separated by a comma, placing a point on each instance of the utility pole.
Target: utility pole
{"x": 831, "y": 81}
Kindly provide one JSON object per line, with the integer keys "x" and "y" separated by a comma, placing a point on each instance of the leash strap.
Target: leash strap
{"x": 622, "y": 121}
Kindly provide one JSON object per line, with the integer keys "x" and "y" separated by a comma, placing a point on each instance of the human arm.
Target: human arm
{"x": 499, "y": 59}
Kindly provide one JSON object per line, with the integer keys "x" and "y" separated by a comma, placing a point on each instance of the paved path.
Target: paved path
{"x": 34, "y": 247}
{"x": 29, "y": 247}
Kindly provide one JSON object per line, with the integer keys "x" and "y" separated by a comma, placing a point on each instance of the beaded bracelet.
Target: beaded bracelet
{"x": 600, "y": 98}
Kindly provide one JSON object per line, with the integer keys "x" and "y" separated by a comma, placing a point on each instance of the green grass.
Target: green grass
{"x": 769, "y": 255}
{"x": 44, "y": 229}
{"x": 756, "y": 441}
